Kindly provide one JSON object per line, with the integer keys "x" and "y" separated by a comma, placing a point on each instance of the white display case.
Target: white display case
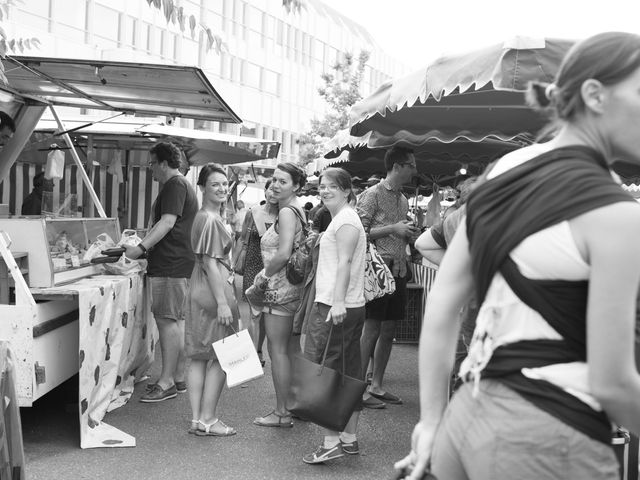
{"x": 56, "y": 246}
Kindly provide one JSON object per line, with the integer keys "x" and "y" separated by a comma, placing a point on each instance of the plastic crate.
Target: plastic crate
{"x": 408, "y": 329}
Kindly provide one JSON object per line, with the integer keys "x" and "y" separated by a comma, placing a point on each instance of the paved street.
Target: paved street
{"x": 165, "y": 450}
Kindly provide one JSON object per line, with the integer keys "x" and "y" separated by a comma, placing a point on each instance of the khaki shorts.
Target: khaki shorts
{"x": 168, "y": 297}
{"x": 501, "y": 436}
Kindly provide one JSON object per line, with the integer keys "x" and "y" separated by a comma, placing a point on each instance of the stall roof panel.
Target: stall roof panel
{"x": 143, "y": 89}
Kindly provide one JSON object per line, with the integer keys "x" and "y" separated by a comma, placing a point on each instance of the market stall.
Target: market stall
{"x": 61, "y": 314}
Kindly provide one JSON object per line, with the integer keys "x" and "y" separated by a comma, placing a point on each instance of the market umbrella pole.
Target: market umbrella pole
{"x": 76, "y": 159}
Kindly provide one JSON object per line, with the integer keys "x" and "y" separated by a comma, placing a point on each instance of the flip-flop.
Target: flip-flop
{"x": 207, "y": 432}
{"x": 387, "y": 397}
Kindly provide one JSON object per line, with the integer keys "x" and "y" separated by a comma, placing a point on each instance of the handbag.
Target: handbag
{"x": 238, "y": 358}
{"x": 322, "y": 395}
{"x": 238, "y": 265}
{"x": 378, "y": 279}
{"x": 296, "y": 266}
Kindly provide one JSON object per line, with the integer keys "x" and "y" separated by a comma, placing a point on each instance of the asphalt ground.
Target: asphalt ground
{"x": 165, "y": 451}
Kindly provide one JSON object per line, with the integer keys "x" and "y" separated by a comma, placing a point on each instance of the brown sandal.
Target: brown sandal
{"x": 282, "y": 421}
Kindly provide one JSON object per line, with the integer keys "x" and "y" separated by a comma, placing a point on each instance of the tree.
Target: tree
{"x": 177, "y": 15}
{"x": 340, "y": 90}
{"x": 12, "y": 45}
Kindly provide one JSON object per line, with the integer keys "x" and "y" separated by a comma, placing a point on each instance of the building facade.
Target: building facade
{"x": 269, "y": 73}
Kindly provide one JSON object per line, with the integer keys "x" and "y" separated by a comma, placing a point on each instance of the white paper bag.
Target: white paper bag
{"x": 238, "y": 358}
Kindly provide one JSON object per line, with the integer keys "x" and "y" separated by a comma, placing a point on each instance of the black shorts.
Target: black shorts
{"x": 389, "y": 307}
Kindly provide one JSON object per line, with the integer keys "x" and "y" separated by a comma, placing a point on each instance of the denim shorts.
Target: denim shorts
{"x": 390, "y": 307}
{"x": 168, "y": 297}
{"x": 498, "y": 435}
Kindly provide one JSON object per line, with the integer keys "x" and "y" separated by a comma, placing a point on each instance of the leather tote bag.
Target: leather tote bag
{"x": 322, "y": 395}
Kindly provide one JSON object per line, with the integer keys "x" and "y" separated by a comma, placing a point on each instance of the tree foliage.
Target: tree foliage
{"x": 178, "y": 16}
{"x": 340, "y": 89}
{"x": 12, "y": 45}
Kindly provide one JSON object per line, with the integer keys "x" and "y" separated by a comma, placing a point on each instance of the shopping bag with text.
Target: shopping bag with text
{"x": 238, "y": 358}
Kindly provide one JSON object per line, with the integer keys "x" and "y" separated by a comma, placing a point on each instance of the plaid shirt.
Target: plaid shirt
{"x": 379, "y": 206}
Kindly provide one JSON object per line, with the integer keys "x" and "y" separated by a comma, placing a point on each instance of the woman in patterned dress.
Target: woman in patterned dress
{"x": 280, "y": 299}
{"x": 212, "y": 307}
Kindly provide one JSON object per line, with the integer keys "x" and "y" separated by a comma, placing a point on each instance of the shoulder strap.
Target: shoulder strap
{"x": 303, "y": 223}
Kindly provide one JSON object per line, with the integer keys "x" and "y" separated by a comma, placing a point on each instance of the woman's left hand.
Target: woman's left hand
{"x": 337, "y": 314}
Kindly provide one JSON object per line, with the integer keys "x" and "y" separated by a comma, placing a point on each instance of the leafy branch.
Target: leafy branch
{"x": 12, "y": 45}
{"x": 340, "y": 90}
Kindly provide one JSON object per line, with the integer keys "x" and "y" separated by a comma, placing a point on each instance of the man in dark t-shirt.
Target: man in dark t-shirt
{"x": 171, "y": 260}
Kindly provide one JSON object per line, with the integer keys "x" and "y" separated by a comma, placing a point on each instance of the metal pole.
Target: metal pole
{"x": 76, "y": 158}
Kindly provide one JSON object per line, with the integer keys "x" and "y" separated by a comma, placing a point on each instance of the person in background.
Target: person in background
{"x": 550, "y": 248}
{"x": 7, "y": 128}
{"x": 170, "y": 264}
{"x": 383, "y": 211}
{"x": 321, "y": 219}
{"x": 307, "y": 210}
{"x": 339, "y": 302}
{"x": 281, "y": 298}
{"x": 432, "y": 245}
{"x": 238, "y": 219}
{"x": 211, "y": 305}
{"x": 32, "y": 204}
{"x": 257, "y": 221}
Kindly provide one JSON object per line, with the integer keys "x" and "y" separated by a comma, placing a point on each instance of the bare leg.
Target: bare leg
{"x": 382, "y": 354}
{"x": 196, "y": 374}
{"x": 213, "y": 384}
{"x": 368, "y": 340}
{"x": 170, "y": 344}
{"x": 179, "y": 374}
{"x": 278, "y": 329}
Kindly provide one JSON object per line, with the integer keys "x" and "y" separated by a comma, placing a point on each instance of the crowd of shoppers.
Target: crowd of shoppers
{"x": 544, "y": 251}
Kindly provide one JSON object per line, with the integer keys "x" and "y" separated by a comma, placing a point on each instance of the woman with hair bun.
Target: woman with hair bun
{"x": 339, "y": 301}
{"x": 211, "y": 307}
{"x": 551, "y": 247}
{"x": 271, "y": 290}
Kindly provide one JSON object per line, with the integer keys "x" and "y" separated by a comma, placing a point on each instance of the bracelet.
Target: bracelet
{"x": 143, "y": 248}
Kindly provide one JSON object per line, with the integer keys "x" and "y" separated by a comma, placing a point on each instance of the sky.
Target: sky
{"x": 419, "y": 31}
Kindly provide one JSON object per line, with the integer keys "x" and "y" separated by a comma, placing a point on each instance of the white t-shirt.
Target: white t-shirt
{"x": 328, "y": 262}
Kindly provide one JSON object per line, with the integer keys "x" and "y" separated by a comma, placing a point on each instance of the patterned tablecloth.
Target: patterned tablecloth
{"x": 117, "y": 338}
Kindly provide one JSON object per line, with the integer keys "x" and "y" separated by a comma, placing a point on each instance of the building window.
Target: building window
{"x": 280, "y": 33}
{"x": 248, "y": 129}
{"x": 271, "y": 82}
{"x": 251, "y": 74}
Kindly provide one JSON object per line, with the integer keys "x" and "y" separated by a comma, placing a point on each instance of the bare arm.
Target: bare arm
{"x": 288, "y": 223}
{"x": 611, "y": 236}
{"x": 346, "y": 240}
{"x": 452, "y": 288}
{"x": 429, "y": 248}
{"x": 216, "y": 284}
{"x": 157, "y": 233}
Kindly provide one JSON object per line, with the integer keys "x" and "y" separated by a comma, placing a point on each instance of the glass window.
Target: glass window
{"x": 130, "y": 30}
{"x": 251, "y": 74}
{"x": 271, "y": 82}
{"x": 280, "y": 33}
{"x": 72, "y": 14}
{"x": 254, "y": 20}
{"x": 248, "y": 129}
{"x": 104, "y": 20}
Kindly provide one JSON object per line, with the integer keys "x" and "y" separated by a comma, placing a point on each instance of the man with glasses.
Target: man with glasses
{"x": 171, "y": 260}
{"x": 383, "y": 210}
